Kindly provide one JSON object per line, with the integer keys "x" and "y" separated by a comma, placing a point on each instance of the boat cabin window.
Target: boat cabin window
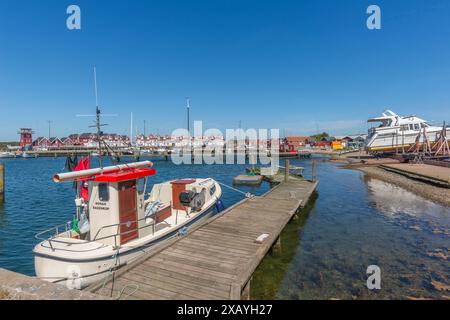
{"x": 404, "y": 127}
{"x": 103, "y": 192}
{"x": 212, "y": 190}
{"x": 416, "y": 127}
{"x": 141, "y": 185}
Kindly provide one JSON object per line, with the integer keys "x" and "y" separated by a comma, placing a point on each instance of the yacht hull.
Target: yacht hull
{"x": 392, "y": 142}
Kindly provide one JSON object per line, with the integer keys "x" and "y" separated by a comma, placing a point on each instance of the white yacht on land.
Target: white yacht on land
{"x": 396, "y": 132}
{"x": 115, "y": 222}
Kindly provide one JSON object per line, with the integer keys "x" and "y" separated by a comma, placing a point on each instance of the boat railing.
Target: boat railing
{"x": 52, "y": 232}
{"x": 56, "y": 234}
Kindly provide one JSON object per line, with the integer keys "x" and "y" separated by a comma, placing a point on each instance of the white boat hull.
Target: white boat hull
{"x": 393, "y": 141}
{"x": 96, "y": 261}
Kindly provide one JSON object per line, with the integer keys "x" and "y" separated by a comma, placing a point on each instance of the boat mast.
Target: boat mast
{"x": 97, "y": 120}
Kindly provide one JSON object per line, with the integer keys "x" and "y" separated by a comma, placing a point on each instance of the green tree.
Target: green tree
{"x": 321, "y": 136}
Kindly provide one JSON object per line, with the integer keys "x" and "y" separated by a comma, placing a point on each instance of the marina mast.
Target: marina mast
{"x": 97, "y": 121}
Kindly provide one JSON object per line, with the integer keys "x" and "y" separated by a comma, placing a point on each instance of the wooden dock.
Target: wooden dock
{"x": 217, "y": 259}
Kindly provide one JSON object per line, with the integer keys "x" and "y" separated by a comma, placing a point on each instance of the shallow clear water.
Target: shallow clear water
{"x": 355, "y": 222}
{"x": 352, "y": 223}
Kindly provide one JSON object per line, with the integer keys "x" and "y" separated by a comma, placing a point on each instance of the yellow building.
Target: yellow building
{"x": 336, "y": 145}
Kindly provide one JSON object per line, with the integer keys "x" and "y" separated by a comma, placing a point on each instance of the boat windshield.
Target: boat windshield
{"x": 381, "y": 123}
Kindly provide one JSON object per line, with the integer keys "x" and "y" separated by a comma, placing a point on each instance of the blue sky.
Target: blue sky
{"x": 293, "y": 65}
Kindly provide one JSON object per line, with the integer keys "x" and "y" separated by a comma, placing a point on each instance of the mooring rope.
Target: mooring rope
{"x": 136, "y": 288}
{"x": 246, "y": 194}
{"x": 116, "y": 262}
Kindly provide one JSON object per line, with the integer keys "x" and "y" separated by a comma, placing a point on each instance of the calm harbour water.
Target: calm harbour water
{"x": 353, "y": 222}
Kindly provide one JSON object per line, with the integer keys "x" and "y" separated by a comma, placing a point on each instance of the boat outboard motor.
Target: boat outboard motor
{"x": 193, "y": 200}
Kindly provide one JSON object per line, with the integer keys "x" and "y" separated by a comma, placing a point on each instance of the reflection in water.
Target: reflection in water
{"x": 407, "y": 208}
{"x": 392, "y": 200}
{"x": 355, "y": 223}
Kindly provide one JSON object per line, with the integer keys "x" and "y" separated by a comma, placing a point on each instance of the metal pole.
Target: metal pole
{"x": 286, "y": 170}
{"x": 131, "y": 129}
{"x": 49, "y": 129}
{"x": 314, "y": 170}
{"x": 2, "y": 182}
{"x": 187, "y": 109}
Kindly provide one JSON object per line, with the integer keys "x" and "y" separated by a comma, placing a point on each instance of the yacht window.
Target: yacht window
{"x": 141, "y": 185}
{"x": 411, "y": 127}
{"x": 103, "y": 192}
{"x": 416, "y": 127}
{"x": 404, "y": 127}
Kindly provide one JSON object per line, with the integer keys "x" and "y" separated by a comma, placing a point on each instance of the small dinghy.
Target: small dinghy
{"x": 26, "y": 155}
{"x": 116, "y": 221}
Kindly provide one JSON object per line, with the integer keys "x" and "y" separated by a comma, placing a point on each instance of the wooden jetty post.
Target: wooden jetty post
{"x": 276, "y": 247}
{"x": 2, "y": 182}
{"x": 286, "y": 170}
{"x": 314, "y": 170}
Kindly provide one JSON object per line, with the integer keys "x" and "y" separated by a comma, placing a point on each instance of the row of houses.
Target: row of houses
{"x": 87, "y": 140}
{"x": 170, "y": 141}
{"x": 336, "y": 142}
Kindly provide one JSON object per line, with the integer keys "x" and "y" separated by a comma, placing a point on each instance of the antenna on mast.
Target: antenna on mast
{"x": 95, "y": 84}
{"x": 97, "y": 119}
{"x": 98, "y": 124}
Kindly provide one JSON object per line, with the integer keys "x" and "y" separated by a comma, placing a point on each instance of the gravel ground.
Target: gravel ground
{"x": 437, "y": 194}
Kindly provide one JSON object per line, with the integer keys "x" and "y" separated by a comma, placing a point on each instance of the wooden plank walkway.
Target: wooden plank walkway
{"x": 217, "y": 259}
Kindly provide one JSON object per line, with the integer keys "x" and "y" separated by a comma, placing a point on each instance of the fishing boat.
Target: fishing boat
{"x": 396, "y": 132}
{"x": 116, "y": 221}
